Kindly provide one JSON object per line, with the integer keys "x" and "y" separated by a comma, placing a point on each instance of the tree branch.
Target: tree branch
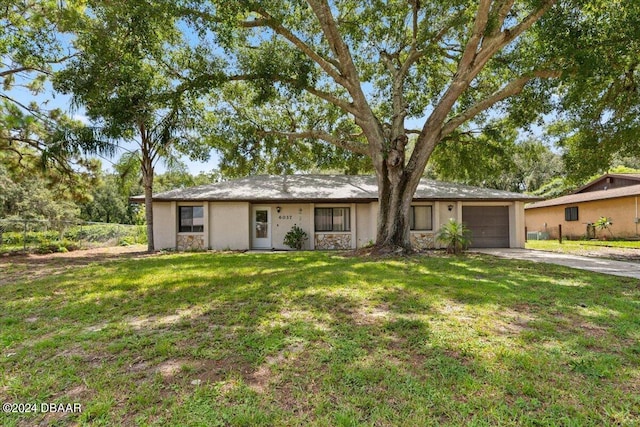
{"x": 345, "y": 106}
{"x": 38, "y": 69}
{"x": 513, "y": 88}
{"x": 462, "y": 77}
{"x": 332, "y": 35}
{"x": 473, "y": 62}
{"x": 479, "y": 26}
{"x": 59, "y": 161}
{"x": 503, "y": 11}
{"x": 30, "y": 142}
{"x": 349, "y": 72}
{"x": 36, "y": 113}
{"x": 415, "y": 6}
{"x": 494, "y": 44}
{"x": 15, "y": 71}
{"x": 17, "y": 152}
{"x": 387, "y": 58}
{"x": 268, "y": 21}
{"x": 352, "y": 146}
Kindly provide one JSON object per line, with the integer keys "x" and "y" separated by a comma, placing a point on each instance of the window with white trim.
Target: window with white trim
{"x": 191, "y": 219}
{"x": 332, "y": 219}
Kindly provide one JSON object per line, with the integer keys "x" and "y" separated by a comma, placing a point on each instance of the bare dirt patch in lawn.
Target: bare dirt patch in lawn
{"x": 196, "y": 371}
{"x": 170, "y": 368}
{"x": 144, "y": 322}
{"x": 17, "y": 268}
{"x": 367, "y": 315}
{"x": 193, "y": 371}
{"x": 513, "y": 322}
{"x": 261, "y": 378}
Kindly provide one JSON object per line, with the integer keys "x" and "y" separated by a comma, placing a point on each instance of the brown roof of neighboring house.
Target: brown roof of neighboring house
{"x": 571, "y": 199}
{"x": 318, "y": 188}
{"x": 625, "y": 176}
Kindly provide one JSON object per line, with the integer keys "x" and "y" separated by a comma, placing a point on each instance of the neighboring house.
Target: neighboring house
{"x": 613, "y": 196}
{"x": 337, "y": 212}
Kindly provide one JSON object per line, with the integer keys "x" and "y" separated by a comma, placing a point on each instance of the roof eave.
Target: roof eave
{"x": 333, "y": 200}
{"x": 607, "y": 175}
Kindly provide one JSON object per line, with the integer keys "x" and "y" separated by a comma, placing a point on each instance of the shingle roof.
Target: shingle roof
{"x": 626, "y": 176}
{"x": 632, "y": 190}
{"x": 314, "y": 188}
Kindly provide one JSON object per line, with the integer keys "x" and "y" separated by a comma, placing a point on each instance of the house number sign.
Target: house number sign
{"x": 285, "y": 217}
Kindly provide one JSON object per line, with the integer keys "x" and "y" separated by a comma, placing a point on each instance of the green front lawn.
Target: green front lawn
{"x": 569, "y": 246}
{"x": 318, "y": 339}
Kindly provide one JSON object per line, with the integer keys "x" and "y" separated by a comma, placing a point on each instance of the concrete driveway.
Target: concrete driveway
{"x": 599, "y": 265}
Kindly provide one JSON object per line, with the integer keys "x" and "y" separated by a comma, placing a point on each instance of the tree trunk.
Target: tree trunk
{"x": 397, "y": 184}
{"x": 395, "y": 198}
{"x": 147, "y": 178}
{"x": 148, "y": 205}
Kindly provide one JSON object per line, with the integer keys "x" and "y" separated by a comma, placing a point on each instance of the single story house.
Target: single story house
{"x": 336, "y": 212}
{"x": 613, "y": 196}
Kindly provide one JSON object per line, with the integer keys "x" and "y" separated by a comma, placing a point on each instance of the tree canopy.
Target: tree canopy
{"x": 496, "y": 160}
{"x": 30, "y": 49}
{"x": 363, "y": 77}
{"x": 599, "y": 101}
{"x": 128, "y": 75}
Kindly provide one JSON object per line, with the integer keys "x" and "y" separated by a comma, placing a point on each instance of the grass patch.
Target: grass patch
{"x": 577, "y": 245}
{"x": 316, "y": 338}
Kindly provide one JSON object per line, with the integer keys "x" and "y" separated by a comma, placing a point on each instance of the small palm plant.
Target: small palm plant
{"x": 455, "y": 235}
{"x": 604, "y": 223}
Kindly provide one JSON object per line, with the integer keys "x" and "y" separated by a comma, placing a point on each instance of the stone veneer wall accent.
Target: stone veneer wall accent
{"x": 190, "y": 242}
{"x": 424, "y": 240}
{"x": 332, "y": 241}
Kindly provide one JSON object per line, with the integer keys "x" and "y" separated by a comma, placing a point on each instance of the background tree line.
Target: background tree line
{"x": 41, "y": 197}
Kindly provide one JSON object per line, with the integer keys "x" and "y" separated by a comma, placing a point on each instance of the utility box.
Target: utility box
{"x": 537, "y": 235}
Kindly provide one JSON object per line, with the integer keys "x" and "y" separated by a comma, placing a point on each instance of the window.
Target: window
{"x": 420, "y": 218}
{"x": 191, "y": 219}
{"x": 333, "y": 219}
{"x": 571, "y": 214}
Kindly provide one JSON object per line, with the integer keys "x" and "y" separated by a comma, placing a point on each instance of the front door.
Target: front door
{"x": 261, "y": 228}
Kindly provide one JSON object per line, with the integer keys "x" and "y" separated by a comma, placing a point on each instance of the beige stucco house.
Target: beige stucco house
{"x": 336, "y": 211}
{"x": 613, "y": 196}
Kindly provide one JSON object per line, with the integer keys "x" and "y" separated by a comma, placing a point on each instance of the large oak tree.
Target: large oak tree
{"x": 365, "y": 76}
